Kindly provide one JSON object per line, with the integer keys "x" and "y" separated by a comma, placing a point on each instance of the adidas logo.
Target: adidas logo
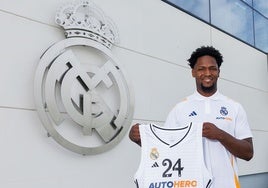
{"x": 155, "y": 165}
{"x": 193, "y": 113}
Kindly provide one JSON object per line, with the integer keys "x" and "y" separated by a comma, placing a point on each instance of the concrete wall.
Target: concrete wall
{"x": 155, "y": 41}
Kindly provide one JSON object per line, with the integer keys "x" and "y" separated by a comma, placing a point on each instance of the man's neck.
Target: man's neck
{"x": 205, "y": 93}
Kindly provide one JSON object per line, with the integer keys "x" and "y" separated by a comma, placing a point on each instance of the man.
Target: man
{"x": 226, "y": 132}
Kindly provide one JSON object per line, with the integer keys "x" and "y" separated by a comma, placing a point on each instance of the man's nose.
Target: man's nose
{"x": 207, "y": 72}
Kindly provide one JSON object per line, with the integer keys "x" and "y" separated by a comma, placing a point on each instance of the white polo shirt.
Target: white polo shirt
{"x": 227, "y": 115}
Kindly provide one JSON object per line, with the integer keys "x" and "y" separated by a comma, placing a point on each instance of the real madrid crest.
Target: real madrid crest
{"x": 154, "y": 154}
{"x": 82, "y": 94}
{"x": 224, "y": 111}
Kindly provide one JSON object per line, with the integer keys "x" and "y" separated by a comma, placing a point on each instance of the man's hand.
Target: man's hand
{"x": 134, "y": 134}
{"x": 210, "y": 131}
{"x": 242, "y": 149}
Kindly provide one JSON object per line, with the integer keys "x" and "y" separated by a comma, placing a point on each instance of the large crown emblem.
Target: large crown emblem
{"x": 85, "y": 19}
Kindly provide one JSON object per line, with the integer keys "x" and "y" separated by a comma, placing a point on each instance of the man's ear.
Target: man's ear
{"x": 193, "y": 73}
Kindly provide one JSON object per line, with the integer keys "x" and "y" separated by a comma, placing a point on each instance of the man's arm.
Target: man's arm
{"x": 240, "y": 148}
{"x": 134, "y": 134}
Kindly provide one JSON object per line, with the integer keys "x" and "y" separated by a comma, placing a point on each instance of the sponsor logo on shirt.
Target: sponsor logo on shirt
{"x": 225, "y": 118}
{"x": 193, "y": 113}
{"x": 174, "y": 184}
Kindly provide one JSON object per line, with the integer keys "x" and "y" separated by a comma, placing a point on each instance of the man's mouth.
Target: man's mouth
{"x": 207, "y": 80}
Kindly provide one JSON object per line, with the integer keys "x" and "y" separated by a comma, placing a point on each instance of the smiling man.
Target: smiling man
{"x": 226, "y": 132}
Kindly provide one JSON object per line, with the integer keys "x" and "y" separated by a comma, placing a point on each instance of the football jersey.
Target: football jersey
{"x": 227, "y": 115}
{"x": 172, "y": 158}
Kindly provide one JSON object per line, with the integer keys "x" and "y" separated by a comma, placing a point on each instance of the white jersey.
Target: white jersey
{"x": 172, "y": 158}
{"x": 226, "y": 115}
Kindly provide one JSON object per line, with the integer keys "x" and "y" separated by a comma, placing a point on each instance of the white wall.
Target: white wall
{"x": 155, "y": 41}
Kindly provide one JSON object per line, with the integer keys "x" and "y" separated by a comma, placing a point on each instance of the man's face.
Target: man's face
{"x": 206, "y": 73}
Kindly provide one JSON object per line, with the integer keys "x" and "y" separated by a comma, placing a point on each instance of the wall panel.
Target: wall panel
{"x": 259, "y": 162}
{"x": 22, "y": 44}
{"x": 31, "y": 159}
{"x": 242, "y": 63}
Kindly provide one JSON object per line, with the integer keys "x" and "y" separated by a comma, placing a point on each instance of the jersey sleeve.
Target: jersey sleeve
{"x": 242, "y": 129}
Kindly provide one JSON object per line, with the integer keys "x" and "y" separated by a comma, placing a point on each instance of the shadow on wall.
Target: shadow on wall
{"x": 254, "y": 180}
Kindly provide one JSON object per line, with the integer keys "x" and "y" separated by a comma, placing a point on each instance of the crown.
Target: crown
{"x": 84, "y": 19}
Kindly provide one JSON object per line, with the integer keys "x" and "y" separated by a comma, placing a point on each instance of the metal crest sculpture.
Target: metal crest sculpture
{"x": 81, "y": 91}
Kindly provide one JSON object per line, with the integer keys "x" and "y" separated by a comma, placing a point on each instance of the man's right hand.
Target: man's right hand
{"x": 134, "y": 134}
